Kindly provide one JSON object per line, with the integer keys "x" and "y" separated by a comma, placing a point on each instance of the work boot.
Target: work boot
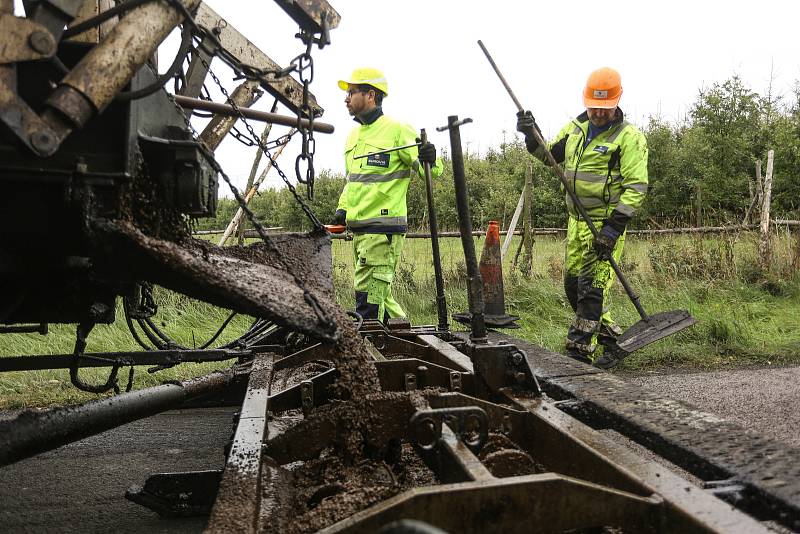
{"x": 612, "y": 354}
{"x": 611, "y": 357}
{"x": 581, "y": 353}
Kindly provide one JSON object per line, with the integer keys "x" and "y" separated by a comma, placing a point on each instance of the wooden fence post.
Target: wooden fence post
{"x": 755, "y": 196}
{"x": 252, "y": 191}
{"x": 527, "y": 234}
{"x": 698, "y": 206}
{"x": 796, "y": 256}
{"x": 512, "y": 226}
{"x": 764, "y": 248}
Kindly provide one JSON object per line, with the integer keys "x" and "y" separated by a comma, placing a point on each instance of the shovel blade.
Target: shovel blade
{"x": 654, "y": 328}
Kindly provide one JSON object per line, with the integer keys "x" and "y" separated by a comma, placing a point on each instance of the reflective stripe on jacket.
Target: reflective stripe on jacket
{"x": 601, "y": 188}
{"x": 375, "y": 194}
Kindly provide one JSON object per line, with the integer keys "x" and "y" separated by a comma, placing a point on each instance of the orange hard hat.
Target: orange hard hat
{"x": 603, "y": 89}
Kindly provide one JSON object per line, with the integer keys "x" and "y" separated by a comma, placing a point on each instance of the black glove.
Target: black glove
{"x": 339, "y": 218}
{"x": 605, "y": 241}
{"x": 427, "y": 153}
{"x": 526, "y": 125}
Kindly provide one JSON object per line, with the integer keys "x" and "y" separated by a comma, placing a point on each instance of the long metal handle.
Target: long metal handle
{"x": 441, "y": 302}
{"x": 560, "y": 173}
{"x": 393, "y": 149}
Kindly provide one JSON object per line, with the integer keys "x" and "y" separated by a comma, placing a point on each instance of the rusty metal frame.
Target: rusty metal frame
{"x": 599, "y": 481}
{"x": 240, "y": 486}
{"x": 286, "y": 89}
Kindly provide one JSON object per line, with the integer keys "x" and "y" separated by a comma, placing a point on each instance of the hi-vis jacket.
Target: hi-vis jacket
{"x": 375, "y": 194}
{"x": 609, "y": 173}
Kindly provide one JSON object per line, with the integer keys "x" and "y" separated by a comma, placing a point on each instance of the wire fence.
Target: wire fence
{"x": 707, "y": 252}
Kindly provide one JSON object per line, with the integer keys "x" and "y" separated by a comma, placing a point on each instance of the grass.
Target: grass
{"x": 187, "y": 321}
{"x": 745, "y": 317}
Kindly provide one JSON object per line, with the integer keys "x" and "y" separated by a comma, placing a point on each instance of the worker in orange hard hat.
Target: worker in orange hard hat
{"x": 605, "y": 160}
{"x": 373, "y": 202}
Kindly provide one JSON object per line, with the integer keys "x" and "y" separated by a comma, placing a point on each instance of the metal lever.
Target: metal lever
{"x": 478, "y": 332}
{"x": 386, "y": 151}
{"x": 456, "y": 124}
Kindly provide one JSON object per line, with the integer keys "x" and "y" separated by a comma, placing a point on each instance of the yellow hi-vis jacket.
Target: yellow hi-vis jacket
{"x": 375, "y": 194}
{"x": 607, "y": 174}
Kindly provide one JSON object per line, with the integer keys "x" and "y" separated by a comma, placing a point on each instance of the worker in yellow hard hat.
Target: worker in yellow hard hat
{"x": 373, "y": 202}
{"x": 605, "y": 161}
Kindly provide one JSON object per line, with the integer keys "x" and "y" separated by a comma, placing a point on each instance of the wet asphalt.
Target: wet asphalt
{"x": 81, "y": 486}
{"x": 765, "y": 400}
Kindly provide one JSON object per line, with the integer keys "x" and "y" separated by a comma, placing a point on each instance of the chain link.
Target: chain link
{"x": 304, "y": 65}
{"x": 306, "y": 209}
{"x": 309, "y": 297}
{"x": 219, "y": 51}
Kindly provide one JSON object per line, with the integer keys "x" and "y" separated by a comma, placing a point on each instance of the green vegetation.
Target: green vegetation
{"x": 744, "y": 317}
{"x": 187, "y": 321}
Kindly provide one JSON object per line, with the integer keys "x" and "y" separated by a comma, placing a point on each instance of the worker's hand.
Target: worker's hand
{"x": 339, "y": 218}
{"x": 526, "y": 123}
{"x": 605, "y": 241}
{"x": 427, "y": 153}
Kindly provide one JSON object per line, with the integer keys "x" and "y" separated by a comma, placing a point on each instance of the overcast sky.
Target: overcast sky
{"x": 665, "y": 51}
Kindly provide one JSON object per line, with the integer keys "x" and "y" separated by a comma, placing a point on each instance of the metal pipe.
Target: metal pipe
{"x": 474, "y": 282}
{"x": 441, "y": 301}
{"x": 264, "y": 116}
{"x": 31, "y": 433}
{"x": 83, "y": 94}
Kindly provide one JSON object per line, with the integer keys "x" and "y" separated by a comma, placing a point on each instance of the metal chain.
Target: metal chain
{"x": 219, "y": 51}
{"x": 304, "y": 65}
{"x": 242, "y": 138}
{"x": 309, "y": 297}
{"x": 306, "y": 209}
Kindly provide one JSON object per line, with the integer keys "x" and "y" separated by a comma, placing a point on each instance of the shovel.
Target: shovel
{"x": 651, "y": 327}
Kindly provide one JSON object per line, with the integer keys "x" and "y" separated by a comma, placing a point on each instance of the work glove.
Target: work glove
{"x": 427, "y": 153}
{"x": 526, "y": 125}
{"x": 605, "y": 241}
{"x": 339, "y": 218}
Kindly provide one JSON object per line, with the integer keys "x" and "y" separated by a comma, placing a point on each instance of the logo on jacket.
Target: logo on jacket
{"x": 602, "y": 149}
{"x": 378, "y": 160}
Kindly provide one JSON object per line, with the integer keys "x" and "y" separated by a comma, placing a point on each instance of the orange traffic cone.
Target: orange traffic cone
{"x": 491, "y": 268}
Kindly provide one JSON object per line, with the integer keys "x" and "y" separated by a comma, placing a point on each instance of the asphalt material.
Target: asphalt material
{"x": 81, "y": 487}
{"x": 765, "y": 400}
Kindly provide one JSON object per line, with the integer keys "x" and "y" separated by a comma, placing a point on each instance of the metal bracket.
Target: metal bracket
{"x": 26, "y": 125}
{"x": 178, "y": 494}
{"x": 470, "y": 424}
{"x": 313, "y": 16}
{"x": 503, "y": 365}
{"x": 410, "y": 381}
{"x": 455, "y": 381}
{"x": 35, "y": 41}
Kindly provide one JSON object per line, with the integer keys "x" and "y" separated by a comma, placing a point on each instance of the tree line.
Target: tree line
{"x": 702, "y": 172}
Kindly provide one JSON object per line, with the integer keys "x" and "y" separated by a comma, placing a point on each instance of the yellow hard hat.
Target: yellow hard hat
{"x": 367, "y": 76}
